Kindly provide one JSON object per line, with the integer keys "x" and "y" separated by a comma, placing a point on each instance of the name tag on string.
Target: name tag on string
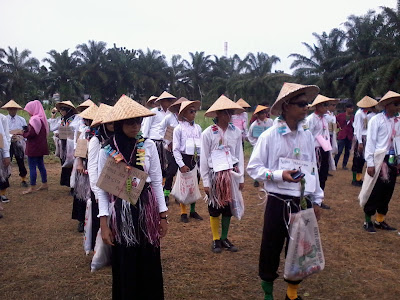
{"x": 325, "y": 143}
{"x": 257, "y": 130}
{"x": 81, "y": 148}
{"x": 192, "y": 145}
{"x": 308, "y": 168}
{"x": 169, "y": 133}
{"x": 221, "y": 160}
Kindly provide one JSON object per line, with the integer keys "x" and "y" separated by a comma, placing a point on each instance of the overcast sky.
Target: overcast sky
{"x": 176, "y": 26}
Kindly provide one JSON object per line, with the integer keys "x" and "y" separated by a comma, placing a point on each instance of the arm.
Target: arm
{"x": 93, "y": 159}
{"x": 357, "y": 125}
{"x": 239, "y": 152}
{"x": 176, "y": 146}
{"x": 30, "y": 133}
{"x": 250, "y": 137}
{"x": 370, "y": 147}
{"x": 103, "y": 195}
{"x": 204, "y": 155}
{"x": 146, "y": 124}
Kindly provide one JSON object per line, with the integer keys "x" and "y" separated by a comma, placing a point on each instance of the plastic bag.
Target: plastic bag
{"x": 69, "y": 155}
{"x": 237, "y": 204}
{"x": 57, "y": 151}
{"x": 5, "y": 172}
{"x": 305, "y": 255}
{"x": 87, "y": 237}
{"x": 186, "y": 188}
{"x": 102, "y": 254}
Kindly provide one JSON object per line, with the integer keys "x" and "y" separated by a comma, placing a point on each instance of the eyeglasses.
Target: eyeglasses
{"x": 133, "y": 121}
{"x": 396, "y": 104}
{"x": 300, "y": 104}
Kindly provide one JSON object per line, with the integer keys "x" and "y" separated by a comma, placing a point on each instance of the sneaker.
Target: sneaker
{"x": 369, "y": 227}
{"x": 167, "y": 200}
{"x": 184, "y": 218}
{"x": 24, "y": 184}
{"x": 228, "y": 245}
{"x": 216, "y": 246}
{"x": 4, "y": 199}
{"x": 356, "y": 183}
{"x": 256, "y": 183}
{"x": 324, "y": 206}
{"x": 384, "y": 226}
{"x": 81, "y": 227}
{"x": 196, "y": 216}
{"x": 298, "y": 298}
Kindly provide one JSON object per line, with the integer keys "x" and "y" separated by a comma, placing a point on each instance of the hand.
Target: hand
{"x": 207, "y": 190}
{"x": 170, "y": 147}
{"x": 287, "y": 176}
{"x": 163, "y": 227}
{"x": 241, "y": 186}
{"x": 79, "y": 166}
{"x": 106, "y": 234}
{"x": 360, "y": 147}
{"x": 56, "y": 134}
{"x": 371, "y": 171}
{"x": 184, "y": 169}
{"x": 6, "y": 161}
{"x": 317, "y": 211}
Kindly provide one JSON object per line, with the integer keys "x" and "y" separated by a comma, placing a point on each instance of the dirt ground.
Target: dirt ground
{"x": 41, "y": 253}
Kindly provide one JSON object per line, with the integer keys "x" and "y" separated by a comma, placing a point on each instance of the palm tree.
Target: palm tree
{"x": 260, "y": 64}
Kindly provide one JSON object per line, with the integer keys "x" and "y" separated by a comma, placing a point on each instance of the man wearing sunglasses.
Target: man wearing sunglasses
{"x": 345, "y": 135}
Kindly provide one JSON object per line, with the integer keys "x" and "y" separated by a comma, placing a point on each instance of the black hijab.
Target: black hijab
{"x": 125, "y": 144}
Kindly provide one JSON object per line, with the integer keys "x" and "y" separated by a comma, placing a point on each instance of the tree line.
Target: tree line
{"x": 362, "y": 58}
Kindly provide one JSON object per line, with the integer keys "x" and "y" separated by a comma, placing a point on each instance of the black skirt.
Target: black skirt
{"x": 78, "y": 209}
{"x": 95, "y": 220}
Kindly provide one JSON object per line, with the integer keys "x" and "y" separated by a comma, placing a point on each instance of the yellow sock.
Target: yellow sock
{"x": 292, "y": 291}
{"x": 380, "y": 218}
{"x": 3, "y": 192}
{"x": 183, "y": 208}
{"x": 358, "y": 176}
{"x": 214, "y": 222}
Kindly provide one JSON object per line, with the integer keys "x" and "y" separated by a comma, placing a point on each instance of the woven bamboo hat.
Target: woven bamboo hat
{"x": 289, "y": 90}
{"x": 259, "y": 108}
{"x": 223, "y": 103}
{"x": 90, "y": 112}
{"x": 243, "y": 103}
{"x": 174, "y": 107}
{"x": 388, "y": 98}
{"x": 81, "y": 107}
{"x": 186, "y": 104}
{"x": 65, "y": 103}
{"x": 127, "y": 108}
{"x": 367, "y": 102}
{"x": 11, "y": 104}
{"x": 165, "y": 95}
{"x": 102, "y": 112}
{"x": 321, "y": 99}
{"x": 151, "y": 100}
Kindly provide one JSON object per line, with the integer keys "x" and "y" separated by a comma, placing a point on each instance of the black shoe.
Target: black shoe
{"x": 324, "y": 206}
{"x": 356, "y": 183}
{"x": 256, "y": 183}
{"x": 24, "y": 184}
{"x": 184, "y": 218}
{"x": 344, "y": 168}
{"x": 4, "y": 199}
{"x": 329, "y": 174}
{"x": 167, "y": 200}
{"x": 216, "y": 246}
{"x": 81, "y": 227}
{"x": 196, "y": 216}
{"x": 1, "y": 215}
{"x": 384, "y": 226}
{"x": 298, "y": 298}
{"x": 369, "y": 227}
{"x": 228, "y": 245}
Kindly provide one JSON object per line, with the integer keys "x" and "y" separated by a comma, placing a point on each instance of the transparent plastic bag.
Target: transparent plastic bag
{"x": 237, "y": 204}
{"x": 305, "y": 256}
{"x": 69, "y": 154}
{"x": 5, "y": 172}
{"x": 87, "y": 237}
{"x": 102, "y": 254}
{"x": 186, "y": 187}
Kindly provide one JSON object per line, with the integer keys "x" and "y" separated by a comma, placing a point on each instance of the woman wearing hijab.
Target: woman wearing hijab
{"x": 36, "y": 144}
{"x": 133, "y": 230}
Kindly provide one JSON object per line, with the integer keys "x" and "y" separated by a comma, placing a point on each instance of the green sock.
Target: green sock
{"x": 367, "y": 218}
{"x": 192, "y": 207}
{"x": 268, "y": 287}
{"x": 225, "y": 227}
{"x": 354, "y": 176}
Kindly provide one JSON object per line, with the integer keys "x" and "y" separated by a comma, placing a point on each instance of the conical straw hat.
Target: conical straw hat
{"x": 388, "y": 96}
{"x": 81, "y": 107}
{"x": 186, "y": 104}
{"x": 151, "y": 99}
{"x": 165, "y": 95}
{"x": 127, "y": 108}
{"x": 259, "y": 108}
{"x": 174, "y": 107}
{"x": 90, "y": 112}
{"x": 11, "y": 104}
{"x": 223, "y": 103}
{"x": 102, "y": 112}
{"x": 65, "y": 103}
{"x": 367, "y": 102}
{"x": 321, "y": 99}
{"x": 289, "y": 90}
{"x": 243, "y": 103}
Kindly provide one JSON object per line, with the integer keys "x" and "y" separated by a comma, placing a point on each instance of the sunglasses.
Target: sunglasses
{"x": 133, "y": 121}
{"x": 63, "y": 108}
{"x": 300, "y": 104}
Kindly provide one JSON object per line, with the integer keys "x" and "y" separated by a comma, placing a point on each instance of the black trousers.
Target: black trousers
{"x": 275, "y": 235}
{"x": 380, "y": 197}
{"x": 95, "y": 219}
{"x": 323, "y": 165}
{"x": 19, "y": 158}
{"x": 358, "y": 160}
{"x": 78, "y": 210}
{"x": 346, "y": 145}
{"x": 171, "y": 171}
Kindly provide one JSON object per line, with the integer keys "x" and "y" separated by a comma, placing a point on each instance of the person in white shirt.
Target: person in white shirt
{"x": 382, "y": 133}
{"x": 133, "y": 231}
{"x": 288, "y": 138}
{"x": 221, "y": 155}
{"x": 150, "y": 102}
{"x": 186, "y": 154}
{"x": 4, "y": 159}
{"x": 151, "y": 126}
{"x": 360, "y": 126}
{"x": 241, "y": 120}
{"x": 17, "y": 147}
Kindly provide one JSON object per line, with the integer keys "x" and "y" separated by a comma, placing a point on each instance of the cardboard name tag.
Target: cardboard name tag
{"x": 258, "y": 130}
{"x": 169, "y": 133}
{"x": 81, "y": 148}
{"x": 221, "y": 160}
{"x": 308, "y": 168}
{"x": 114, "y": 176}
{"x": 65, "y": 132}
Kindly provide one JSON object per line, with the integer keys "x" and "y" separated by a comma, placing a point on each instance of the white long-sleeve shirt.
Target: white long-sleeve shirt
{"x": 5, "y": 132}
{"x": 381, "y": 130}
{"x": 171, "y": 119}
{"x": 151, "y": 126}
{"x": 183, "y": 132}
{"x": 92, "y": 165}
{"x": 54, "y": 124}
{"x": 331, "y": 119}
{"x": 276, "y": 142}
{"x": 152, "y": 167}
{"x": 16, "y": 122}
{"x": 360, "y": 124}
{"x": 318, "y": 126}
{"x": 210, "y": 140}
{"x": 267, "y": 123}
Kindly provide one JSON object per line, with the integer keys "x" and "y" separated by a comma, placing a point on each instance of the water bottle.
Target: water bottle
{"x": 391, "y": 160}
